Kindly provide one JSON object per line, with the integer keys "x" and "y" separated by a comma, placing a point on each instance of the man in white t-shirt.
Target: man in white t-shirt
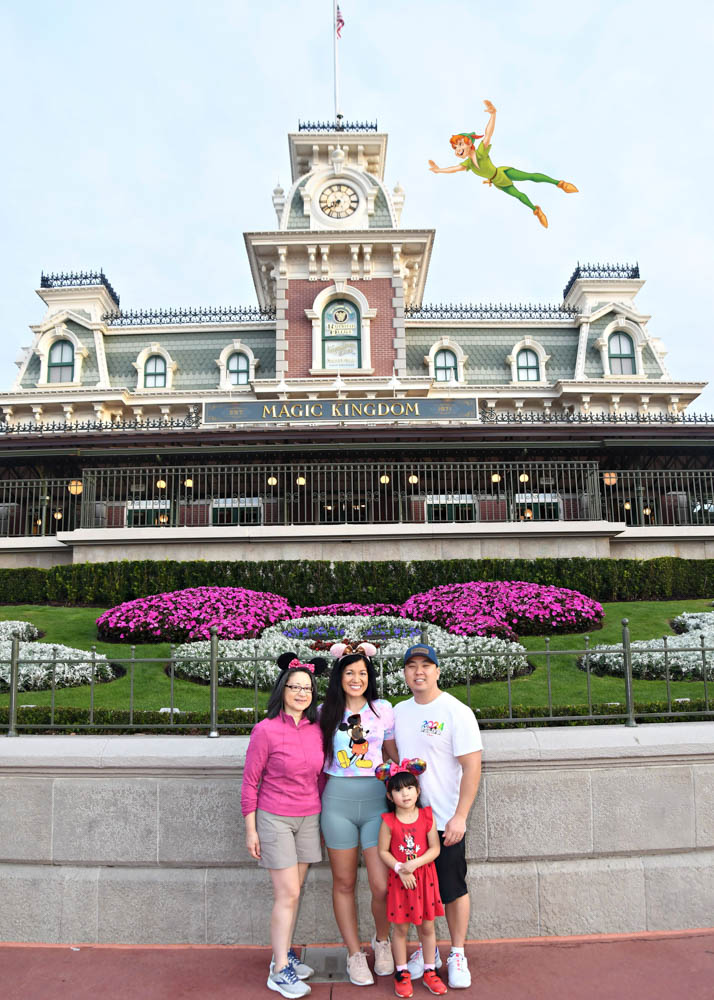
{"x": 443, "y": 731}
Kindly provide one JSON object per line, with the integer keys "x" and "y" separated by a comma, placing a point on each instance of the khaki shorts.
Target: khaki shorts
{"x": 285, "y": 840}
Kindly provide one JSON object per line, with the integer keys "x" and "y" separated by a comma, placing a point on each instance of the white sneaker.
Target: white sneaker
{"x": 383, "y": 960}
{"x": 459, "y": 975}
{"x": 287, "y": 984}
{"x": 301, "y": 970}
{"x": 358, "y": 970}
{"x": 415, "y": 965}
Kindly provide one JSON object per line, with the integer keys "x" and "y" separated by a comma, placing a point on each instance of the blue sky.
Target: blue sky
{"x": 145, "y": 138}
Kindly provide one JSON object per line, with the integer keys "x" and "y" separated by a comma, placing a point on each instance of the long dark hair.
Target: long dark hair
{"x": 402, "y": 779}
{"x": 277, "y": 695}
{"x": 333, "y": 707}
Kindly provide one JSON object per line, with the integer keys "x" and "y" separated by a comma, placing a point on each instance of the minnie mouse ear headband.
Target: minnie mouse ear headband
{"x": 414, "y": 766}
{"x": 341, "y": 649}
{"x": 291, "y": 661}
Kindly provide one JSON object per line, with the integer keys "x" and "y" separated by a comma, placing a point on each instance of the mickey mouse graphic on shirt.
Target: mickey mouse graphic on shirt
{"x": 358, "y": 745}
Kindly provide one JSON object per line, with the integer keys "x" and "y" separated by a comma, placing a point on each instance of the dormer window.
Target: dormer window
{"x": 155, "y": 372}
{"x": 446, "y": 367}
{"x": 60, "y": 362}
{"x": 621, "y": 354}
{"x": 238, "y": 369}
{"x": 527, "y": 366}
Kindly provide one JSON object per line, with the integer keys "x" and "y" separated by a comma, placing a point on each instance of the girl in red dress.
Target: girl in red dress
{"x": 408, "y": 844}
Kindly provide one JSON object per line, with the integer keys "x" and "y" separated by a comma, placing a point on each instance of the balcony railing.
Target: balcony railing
{"x": 357, "y": 493}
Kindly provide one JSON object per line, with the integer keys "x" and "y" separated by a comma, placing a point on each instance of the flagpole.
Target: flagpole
{"x": 335, "y": 40}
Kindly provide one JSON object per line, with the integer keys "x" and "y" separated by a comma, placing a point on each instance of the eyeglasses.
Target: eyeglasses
{"x": 299, "y": 689}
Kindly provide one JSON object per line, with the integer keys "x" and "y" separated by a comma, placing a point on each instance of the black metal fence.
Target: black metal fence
{"x": 588, "y": 711}
{"x": 310, "y": 493}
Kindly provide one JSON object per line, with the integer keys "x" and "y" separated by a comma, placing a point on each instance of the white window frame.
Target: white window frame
{"x": 341, "y": 290}
{"x": 236, "y": 347}
{"x": 45, "y": 345}
{"x": 446, "y": 344}
{"x": 140, "y": 366}
{"x": 621, "y": 325}
{"x": 528, "y": 344}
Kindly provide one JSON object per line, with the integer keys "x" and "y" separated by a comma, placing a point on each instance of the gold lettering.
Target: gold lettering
{"x": 356, "y": 409}
{"x": 313, "y": 410}
{"x": 382, "y": 409}
{"x": 296, "y": 410}
{"x": 369, "y": 409}
{"x": 397, "y": 409}
{"x": 268, "y": 411}
{"x": 413, "y": 408}
{"x": 283, "y": 412}
{"x": 336, "y": 411}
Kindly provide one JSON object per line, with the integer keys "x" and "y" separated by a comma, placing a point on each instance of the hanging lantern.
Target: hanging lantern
{"x": 272, "y": 481}
{"x": 524, "y": 477}
{"x": 609, "y": 478}
{"x": 188, "y": 483}
{"x": 647, "y": 510}
{"x": 75, "y": 487}
{"x": 384, "y": 479}
{"x": 57, "y": 515}
{"x": 163, "y": 518}
{"x": 496, "y": 477}
{"x": 528, "y": 514}
{"x": 161, "y": 484}
{"x": 300, "y": 481}
{"x": 413, "y": 479}
{"x": 627, "y": 505}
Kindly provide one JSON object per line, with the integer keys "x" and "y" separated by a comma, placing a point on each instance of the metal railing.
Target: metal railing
{"x": 311, "y": 493}
{"x": 78, "y": 279}
{"x": 601, "y": 271}
{"x": 340, "y": 493}
{"x": 211, "y": 721}
{"x": 189, "y": 315}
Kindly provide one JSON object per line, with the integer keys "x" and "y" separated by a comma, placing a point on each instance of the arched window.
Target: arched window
{"x": 60, "y": 363}
{"x": 155, "y": 372}
{"x": 341, "y": 336}
{"x": 621, "y": 354}
{"x": 446, "y": 368}
{"x": 238, "y": 369}
{"x": 527, "y": 366}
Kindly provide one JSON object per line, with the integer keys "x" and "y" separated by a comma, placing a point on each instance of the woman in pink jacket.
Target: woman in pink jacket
{"x": 280, "y": 801}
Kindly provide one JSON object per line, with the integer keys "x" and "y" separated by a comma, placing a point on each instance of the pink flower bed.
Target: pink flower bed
{"x": 367, "y": 610}
{"x": 506, "y": 608}
{"x": 180, "y": 615}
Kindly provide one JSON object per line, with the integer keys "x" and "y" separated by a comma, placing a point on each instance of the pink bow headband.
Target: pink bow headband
{"x": 295, "y": 664}
{"x": 415, "y": 766}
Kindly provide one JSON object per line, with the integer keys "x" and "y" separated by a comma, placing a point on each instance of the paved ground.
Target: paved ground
{"x": 656, "y": 966}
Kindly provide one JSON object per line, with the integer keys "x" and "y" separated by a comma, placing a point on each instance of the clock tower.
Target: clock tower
{"x": 339, "y": 270}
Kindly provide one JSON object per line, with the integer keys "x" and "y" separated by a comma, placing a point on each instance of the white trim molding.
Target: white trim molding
{"x": 43, "y": 348}
{"x": 140, "y": 363}
{"x": 446, "y": 344}
{"x": 341, "y": 290}
{"x": 236, "y": 347}
{"x": 621, "y": 324}
{"x": 528, "y": 344}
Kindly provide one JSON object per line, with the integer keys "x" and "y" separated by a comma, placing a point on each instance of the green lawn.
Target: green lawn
{"x": 152, "y": 688}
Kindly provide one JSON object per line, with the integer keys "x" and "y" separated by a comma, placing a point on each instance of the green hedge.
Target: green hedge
{"x": 37, "y": 719}
{"x": 314, "y": 583}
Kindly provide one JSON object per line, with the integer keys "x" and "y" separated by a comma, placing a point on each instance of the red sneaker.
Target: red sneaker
{"x": 433, "y": 983}
{"x": 403, "y": 984}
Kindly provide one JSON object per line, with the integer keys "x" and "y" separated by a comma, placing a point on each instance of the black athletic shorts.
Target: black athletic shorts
{"x": 451, "y": 870}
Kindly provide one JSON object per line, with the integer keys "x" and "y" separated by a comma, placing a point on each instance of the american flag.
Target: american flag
{"x": 339, "y": 22}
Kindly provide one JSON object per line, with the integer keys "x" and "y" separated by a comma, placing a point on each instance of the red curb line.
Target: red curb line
{"x": 478, "y": 942}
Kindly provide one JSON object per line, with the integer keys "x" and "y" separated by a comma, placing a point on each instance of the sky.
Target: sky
{"x": 145, "y": 138}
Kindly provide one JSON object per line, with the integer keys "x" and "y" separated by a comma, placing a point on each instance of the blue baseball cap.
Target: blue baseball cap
{"x": 428, "y": 652}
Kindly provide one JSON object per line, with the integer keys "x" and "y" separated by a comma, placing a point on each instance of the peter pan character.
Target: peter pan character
{"x": 478, "y": 160}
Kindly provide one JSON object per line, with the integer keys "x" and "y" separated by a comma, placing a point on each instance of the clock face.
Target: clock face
{"x": 339, "y": 201}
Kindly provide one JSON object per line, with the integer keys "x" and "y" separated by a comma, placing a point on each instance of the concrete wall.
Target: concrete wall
{"x": 371, "y": 543}
{"x": 140, "y": 839}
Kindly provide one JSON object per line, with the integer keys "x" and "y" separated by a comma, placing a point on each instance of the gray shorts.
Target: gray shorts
{"x": 285, "y": 840}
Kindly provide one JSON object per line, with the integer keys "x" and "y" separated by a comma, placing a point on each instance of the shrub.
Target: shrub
{"x": 683, "y": 656}
{"x": 191, "y": 613}
{"x": 18, "y": 630}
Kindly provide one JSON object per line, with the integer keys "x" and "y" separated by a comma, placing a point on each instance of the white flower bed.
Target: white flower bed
{"x": 16, "y": 629}
{"x": 72, "y": 666}
{"x": 479, "y": 657}
{"x": 684, "y": 654}
{"x": 694, "y": 621}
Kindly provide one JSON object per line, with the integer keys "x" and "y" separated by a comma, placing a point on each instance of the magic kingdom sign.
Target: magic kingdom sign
{"x": 311, "y": 410}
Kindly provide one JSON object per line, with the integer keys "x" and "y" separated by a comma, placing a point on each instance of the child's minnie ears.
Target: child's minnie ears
{"x": 415, "y": 766}
{"x": 317, "y": 665}
{"x": 341, "y": 649}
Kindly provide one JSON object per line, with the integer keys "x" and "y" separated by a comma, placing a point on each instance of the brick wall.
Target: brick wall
{"x": 301, "y": 295}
